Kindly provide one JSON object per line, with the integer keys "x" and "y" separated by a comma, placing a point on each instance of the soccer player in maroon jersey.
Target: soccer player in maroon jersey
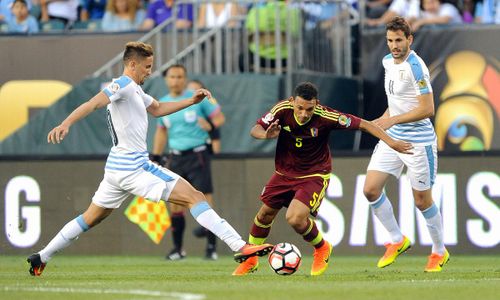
{"x": 303, "y": 166}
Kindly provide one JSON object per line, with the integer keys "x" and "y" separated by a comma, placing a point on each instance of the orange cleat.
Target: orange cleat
{"x": 393, "y": 251}
{"x": 436, "y": 262}
{"x": 248, "y": 266}
{"x": 321, "y": 257}
{"x": 249, "y": 250}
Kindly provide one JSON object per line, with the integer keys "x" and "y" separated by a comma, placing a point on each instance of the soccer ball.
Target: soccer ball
{"x": 285, "y": 259}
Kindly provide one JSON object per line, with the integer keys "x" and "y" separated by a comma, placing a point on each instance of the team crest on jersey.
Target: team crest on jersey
{"x": 114, "y": 87}
{"x": 268, "y": 118}
{"x": 422, "y": 84}
{"x": 314, "y": 132}
{"x": 344, "y": 120}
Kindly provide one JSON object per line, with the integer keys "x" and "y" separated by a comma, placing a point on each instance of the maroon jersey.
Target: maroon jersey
{"x": 302, "y": 150}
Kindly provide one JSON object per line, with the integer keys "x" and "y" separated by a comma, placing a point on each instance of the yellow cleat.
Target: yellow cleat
{"x": 436, "y": 262}
{"x": 393, "y": 251}
{"x": 248, "y": 266}
{"x": 321, "y": 257}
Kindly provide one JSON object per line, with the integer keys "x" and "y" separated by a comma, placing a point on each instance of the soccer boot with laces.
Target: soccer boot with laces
{"x": 248, "y": 266}
{"x": 250, "y": 250}
{"x": 321, "y": 256}
{"x": 436, "y": 262}
{"x": 392, "y": 251}
{"x": 36, "y": 264}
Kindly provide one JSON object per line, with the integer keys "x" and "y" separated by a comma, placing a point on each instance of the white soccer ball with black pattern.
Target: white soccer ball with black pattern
{"x": 285, "y": 259}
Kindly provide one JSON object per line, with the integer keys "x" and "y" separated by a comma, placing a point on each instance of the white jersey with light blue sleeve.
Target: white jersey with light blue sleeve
{"x": 403, "y": 83}
{"x": 127, "y": 123}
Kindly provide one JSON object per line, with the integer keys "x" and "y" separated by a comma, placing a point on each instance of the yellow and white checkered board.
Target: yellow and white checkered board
{"x": 152, "y": 217}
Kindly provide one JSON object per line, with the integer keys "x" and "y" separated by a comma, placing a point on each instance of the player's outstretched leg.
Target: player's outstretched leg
{"x": 36, "y": 264}
{"x": 437, "y": 261}
{"x": 209, "y": 219}
{"x": 393, "y": 250}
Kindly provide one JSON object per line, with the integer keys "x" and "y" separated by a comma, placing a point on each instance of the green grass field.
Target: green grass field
{"x": 148, "y": 277}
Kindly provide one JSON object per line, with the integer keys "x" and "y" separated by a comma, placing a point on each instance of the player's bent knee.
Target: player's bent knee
{"x": 296, "y": 221}
{"x": 371, "y": 193}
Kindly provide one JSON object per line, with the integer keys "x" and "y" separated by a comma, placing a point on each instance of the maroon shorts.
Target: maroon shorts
{"x": 280, "y": 190}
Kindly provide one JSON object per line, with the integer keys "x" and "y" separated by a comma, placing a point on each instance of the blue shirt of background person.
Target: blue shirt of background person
{"x": 92, "y": 9}
{"x": 161, "y": 10}
{"x": 183, "y": 130}
{"x": 22, "y": 21}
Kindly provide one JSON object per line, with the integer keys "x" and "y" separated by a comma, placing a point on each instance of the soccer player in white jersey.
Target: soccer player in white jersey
{"x": 411, "y": 103}
{"x": 128, "y": 169}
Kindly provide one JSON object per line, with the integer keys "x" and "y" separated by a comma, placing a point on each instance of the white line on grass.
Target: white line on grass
{"x": 148, "y": 293}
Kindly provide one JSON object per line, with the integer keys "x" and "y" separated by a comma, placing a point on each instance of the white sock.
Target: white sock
{"x": 435, "y": 226}
{"x": 64, "y": 238}
{"x": 382, "y": 209}
{"x": 209, "y": 219}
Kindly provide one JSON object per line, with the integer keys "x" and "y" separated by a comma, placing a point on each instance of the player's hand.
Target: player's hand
{"x": 201, "y": 94}
{"x": 57, "y": 134}
{"x": 402, "y": 147}
{"x": 273, "y": 130}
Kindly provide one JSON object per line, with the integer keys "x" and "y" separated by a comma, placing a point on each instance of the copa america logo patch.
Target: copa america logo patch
{"x": 344, "y": 120}
{"x": 114, "y": 87}
{"x": 268, "y": 118}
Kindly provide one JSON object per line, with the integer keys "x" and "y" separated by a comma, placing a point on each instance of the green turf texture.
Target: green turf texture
{"x": 151, "y": 277}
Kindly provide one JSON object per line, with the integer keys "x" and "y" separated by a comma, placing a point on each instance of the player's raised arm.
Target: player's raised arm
{"x": 375, "y": 130}
{"x": 57, "y": 134}
{"x": 271, "y": 132}
{"x": 160, "y": 109}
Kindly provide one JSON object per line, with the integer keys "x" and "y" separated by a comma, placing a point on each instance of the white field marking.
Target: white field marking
{"x": 446, "y": 280}
{"x": 148, "y": 293}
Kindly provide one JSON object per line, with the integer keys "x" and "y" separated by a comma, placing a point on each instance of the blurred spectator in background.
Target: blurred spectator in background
{"x": 22, "y": 22}
{"x": 261, "y": 24}
{"x": 207, "y": 125}
{"x": 408, "y": 9}
{"x": 214, "y": 14}
{"x": 92, "y": 9}
{"x": 488, "y": 12}
{"x": 6, "y": 9}
{"x": 123, "y": 15}
{"x": 161, "y": 10}
{"x": 376, "y": 8}
{"x": 468, "y": 11}
{"x": 62, "y": 10}
{"x": 435, "y": 12}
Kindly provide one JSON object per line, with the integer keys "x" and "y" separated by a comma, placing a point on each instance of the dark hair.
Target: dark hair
{"x": 306, "y": 91}
{"x": 20, "y": 1}
{"x": 164, "y": 73}
{"x": 197, "y": 82}
{"x": 399, "y": 23}
{"x": 137, "y": 50}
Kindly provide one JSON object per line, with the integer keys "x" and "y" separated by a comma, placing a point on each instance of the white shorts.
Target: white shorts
{"x": 150, "y": 181}
{"x": 421, "y": 165}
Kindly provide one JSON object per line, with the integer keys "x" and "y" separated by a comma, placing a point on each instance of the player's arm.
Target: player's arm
{"x": 378, "y": 132}
{"x": 160, "y": 140}
{"x": 57, "y": 134}
{"x": 271, "y": 132}
{"x": 424, "y": 109}
{"x": 160, "y": 109}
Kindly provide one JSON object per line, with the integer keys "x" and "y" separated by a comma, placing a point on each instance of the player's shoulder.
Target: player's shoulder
{"x": 326, "y": 112}
{"x": 416, "y": 64}
{"x": 280, "y": 106}
{"x": 122, "y": 81}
